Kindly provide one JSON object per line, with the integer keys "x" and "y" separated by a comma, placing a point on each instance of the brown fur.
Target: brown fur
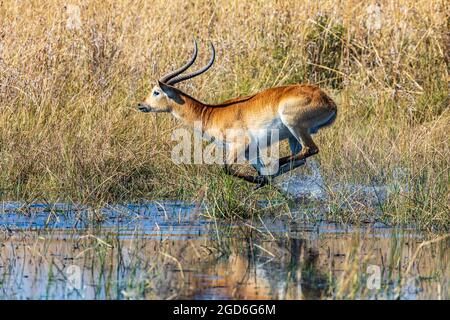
{"x": 301, "y": 108}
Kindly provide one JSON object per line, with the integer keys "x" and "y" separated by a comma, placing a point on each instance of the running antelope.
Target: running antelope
{"x": 296, "y": 111}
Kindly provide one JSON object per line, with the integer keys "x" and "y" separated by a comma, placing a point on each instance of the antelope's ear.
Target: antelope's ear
{"x": 171, "y": 92}
{"x": 166, "y": 89}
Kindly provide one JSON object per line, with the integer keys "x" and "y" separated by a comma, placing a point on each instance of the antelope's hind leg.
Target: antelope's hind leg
{"x": 294, "y": 145}
{"x": 310, "y": 148}
{"x": 308, "y": 121}
{"x": 289, "y": 163}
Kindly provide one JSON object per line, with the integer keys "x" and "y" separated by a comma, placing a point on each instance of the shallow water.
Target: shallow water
{"x": 173, "y": 250}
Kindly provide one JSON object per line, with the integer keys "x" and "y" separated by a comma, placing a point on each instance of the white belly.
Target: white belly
{"x": 262, "y": 135}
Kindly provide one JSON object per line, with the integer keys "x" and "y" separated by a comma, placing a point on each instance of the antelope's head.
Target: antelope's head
{"x": 163, "y": 97}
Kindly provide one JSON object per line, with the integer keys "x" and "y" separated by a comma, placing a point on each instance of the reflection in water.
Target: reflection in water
{"x": 171, "y": 251}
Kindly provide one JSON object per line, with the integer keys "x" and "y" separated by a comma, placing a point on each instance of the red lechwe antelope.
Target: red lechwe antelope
{"x": 296, "y": 111}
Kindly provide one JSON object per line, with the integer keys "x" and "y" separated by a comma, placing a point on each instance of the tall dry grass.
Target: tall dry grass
{"x": 69, "y": 84}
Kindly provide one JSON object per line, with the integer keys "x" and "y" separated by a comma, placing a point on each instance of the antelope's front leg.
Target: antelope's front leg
{"x": 236, "y": 153}
{"x": 258, "y": 179}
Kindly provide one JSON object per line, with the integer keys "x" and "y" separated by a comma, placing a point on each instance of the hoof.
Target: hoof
{"x": 290, "y": 166}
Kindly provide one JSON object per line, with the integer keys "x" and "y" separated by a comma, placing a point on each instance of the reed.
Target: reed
{"x": 71, "y": 74}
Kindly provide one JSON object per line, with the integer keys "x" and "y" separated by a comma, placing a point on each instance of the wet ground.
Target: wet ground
{"x": 173, "y": 250}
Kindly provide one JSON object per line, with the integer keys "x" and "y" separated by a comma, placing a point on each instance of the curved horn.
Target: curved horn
{"x": 172, "y": 74}
{"x": 198, "y": 72}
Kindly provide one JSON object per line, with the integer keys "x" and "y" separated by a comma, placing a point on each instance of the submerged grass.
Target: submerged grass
{"x": 71, "y": 74}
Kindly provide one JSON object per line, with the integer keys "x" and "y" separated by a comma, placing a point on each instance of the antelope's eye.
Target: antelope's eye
{"x": 155, "y": 93}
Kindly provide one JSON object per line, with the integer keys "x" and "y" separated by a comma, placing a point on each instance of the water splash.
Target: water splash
{"x": 307, "y": 183}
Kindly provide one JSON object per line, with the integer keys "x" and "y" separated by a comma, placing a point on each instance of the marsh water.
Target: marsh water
{"x": 174, "y": 250}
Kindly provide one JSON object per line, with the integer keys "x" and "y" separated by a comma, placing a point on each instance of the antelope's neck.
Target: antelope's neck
{"x": 192, "y": 112}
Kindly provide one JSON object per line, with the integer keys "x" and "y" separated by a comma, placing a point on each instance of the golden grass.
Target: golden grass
{"x": 68, "y": 88}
